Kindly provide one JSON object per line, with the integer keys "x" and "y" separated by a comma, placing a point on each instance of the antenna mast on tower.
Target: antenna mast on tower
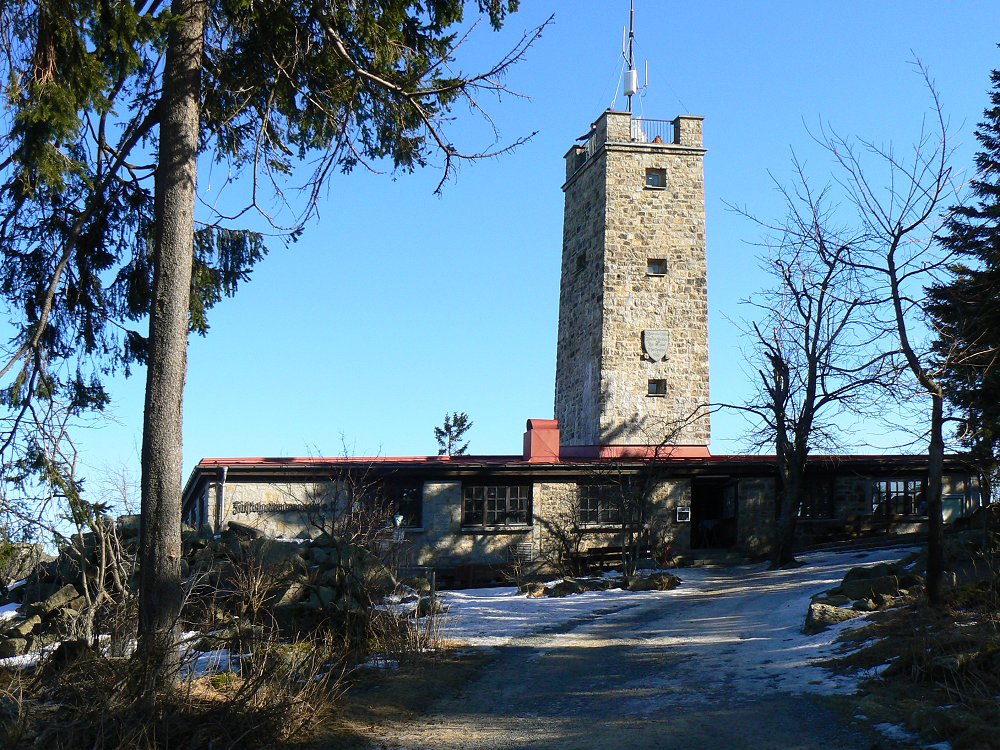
{"x": 628, "y": 52}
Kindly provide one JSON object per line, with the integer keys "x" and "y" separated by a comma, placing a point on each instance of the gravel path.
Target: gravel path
{"x": 720, "y": 665}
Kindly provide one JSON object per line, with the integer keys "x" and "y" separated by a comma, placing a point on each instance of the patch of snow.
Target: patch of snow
{"x": 401, "y": 609}
{"x": 495, "y": 616}
{"x": 16, "y": 584}
{"x": 378, "y": 662}
{"x": 738, "y": 627}
{"x": 896, "y": 733}
{"x": 200, "y": 663}
{"x": 8, "y": 611}
{"x": 28, "y": 660}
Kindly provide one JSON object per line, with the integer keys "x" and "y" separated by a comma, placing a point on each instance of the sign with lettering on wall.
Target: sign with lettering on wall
{"x": 655, "y": 344}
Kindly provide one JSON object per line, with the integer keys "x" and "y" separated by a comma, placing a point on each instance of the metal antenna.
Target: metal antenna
{"x": 631, "y": 84}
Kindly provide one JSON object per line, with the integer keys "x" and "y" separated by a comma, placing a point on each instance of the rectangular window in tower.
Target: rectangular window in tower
{"x": 657, "y": 387}
{"x": 581, "y": 262}
{"x": 656, "y": 267}
{"x": 656, "y": 178}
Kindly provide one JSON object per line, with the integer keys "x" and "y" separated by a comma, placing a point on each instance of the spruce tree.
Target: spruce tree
{"x": 966, "y": 309}
{"x": 110, "y": 109}
{"x": 449, "y": 435}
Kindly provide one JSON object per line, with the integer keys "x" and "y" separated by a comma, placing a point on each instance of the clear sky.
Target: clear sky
{"x": 398, "y": 305}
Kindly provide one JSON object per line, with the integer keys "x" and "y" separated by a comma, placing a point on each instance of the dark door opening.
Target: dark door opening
{"x": 713, "y": 513}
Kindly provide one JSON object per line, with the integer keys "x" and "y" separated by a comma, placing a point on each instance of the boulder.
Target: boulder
{"x": 533, "y": 589}
{"x": 566, "y": 587}
{"x": 128, "y": 526}
{"x": 664, "y": 581}
{"x": 290, "y": 594}
{"x": 279, "y": 559}
{"x": 12, "y": 647}
{"x": 822, "y": 616}
{"x": 64, "y": 597}
{"x": 23, "y": 628}
{"x": 18, "y": 561}
{"x": 865, "y": 605}
{"x": 884, "y": 600}
{"x": 862, "y": 573}
{"x": 836, "y": 600}
{"x": 242, "y": 530}
{"x": 430, "y": 605}
{"x": 33, "y": 591}
{"x": 422, "y": 585}
{"x": 321, "y": 597}
{"x": 868, "y": 588}
{"x": 653, "y": 582}
{"x": 319, "y": 555}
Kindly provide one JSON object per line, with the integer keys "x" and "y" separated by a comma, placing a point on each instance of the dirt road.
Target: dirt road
{"x": 722, "y": 665}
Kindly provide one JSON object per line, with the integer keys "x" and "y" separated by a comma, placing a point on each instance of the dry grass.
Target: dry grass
{"x": 92, "y": 702}
{"x": 937, "y": 672}
{"x": 384, "y": 697}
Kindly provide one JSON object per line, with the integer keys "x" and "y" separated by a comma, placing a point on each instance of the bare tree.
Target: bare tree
{"x": 895, "y": 201}
{"x": 815, "y": 358}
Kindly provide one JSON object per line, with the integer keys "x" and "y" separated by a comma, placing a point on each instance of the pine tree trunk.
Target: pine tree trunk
{"x": 160, "y": 596}
{"x": 932, "y": 496}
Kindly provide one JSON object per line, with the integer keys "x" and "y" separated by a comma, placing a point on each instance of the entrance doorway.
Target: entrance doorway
{"x": 713, "y": 513}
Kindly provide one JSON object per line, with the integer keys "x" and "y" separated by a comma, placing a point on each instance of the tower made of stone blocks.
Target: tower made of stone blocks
{"x": 632, "y": 356}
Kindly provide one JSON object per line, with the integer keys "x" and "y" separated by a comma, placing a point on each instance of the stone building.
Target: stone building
{"x": 629, "y": 443}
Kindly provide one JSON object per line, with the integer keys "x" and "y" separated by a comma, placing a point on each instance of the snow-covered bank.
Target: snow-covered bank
{"x": 740, "y": 628}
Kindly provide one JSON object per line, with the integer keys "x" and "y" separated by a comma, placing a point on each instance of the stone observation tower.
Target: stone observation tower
{"x": 632, "y": 356}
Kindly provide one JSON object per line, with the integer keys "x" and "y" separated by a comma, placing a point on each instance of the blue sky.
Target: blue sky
{"x": 398, "y": 305}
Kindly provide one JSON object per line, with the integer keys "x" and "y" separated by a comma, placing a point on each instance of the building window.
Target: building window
{"x": 497, "y": 506}
{"x": 406, "y": 500}
{"x": 657, "y": 387}
{"x": 898, "y": 497}
{"x": 607, "y": 504}
{"x": 656, "y": 178}
{"x": 817, "y": 500}
{"x": 597, "y": 505}
{"x": 581, "y": 262}
{"x": 656, "y": 267}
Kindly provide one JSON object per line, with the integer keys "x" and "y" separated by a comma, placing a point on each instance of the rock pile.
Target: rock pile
{"x": 655, "y": 581}
{"x": 863, "y": 589}
{"x": 234, "y": 576}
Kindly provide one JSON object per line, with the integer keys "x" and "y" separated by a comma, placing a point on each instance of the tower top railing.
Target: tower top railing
{"x": 621, "y": 127}
{"x": 643, "y": 130}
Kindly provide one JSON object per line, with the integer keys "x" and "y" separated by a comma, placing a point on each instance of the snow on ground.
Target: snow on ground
{"x": 8, "y": 611}
{"x": 741, "y": 627}
{"x": 494, "y": 616}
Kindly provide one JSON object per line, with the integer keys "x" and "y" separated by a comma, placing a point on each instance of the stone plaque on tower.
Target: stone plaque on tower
{"x": 655, "y": 344}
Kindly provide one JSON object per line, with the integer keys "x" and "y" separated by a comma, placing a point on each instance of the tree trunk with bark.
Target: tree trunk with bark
{"x": 790, "y": 481}
{"x": 160, "y": 595}
{"x": 932, "y": 496}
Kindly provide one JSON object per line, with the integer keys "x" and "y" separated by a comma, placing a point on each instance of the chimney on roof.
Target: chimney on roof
{"x": 541, "y": 441}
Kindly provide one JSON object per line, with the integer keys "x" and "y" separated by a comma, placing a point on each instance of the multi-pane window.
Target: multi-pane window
{"x": 608, "y": 503}
{"x": 598, "y": 504}
{"x": 817, "y": 500}
{"x": 501, "y": 505}
{"x": 407, "y": 501}
{"x": 898, "y": 497}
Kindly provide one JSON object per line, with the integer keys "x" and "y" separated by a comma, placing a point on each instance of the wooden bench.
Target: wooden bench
{"x": 600, "y": 558}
